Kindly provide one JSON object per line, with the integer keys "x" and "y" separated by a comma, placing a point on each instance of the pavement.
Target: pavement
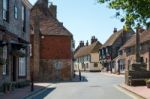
{"x": 21, "y": 93}
{"x": 111, "y": 74}
{"x": 141, "y": 91}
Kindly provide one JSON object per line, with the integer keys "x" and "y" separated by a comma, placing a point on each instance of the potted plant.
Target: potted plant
{"x": 19, "y": 53}
{"x": 2, "y": 61}
{"x": 148, "y": 83}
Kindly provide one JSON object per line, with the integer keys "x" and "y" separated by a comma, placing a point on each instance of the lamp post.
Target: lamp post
{"x": 36, "y": 40}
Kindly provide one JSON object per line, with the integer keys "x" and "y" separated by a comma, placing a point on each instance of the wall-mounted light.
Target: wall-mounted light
{"x": 42, "y": 37}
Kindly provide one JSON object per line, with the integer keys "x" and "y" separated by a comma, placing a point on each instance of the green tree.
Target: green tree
{"x": 132, "y": 12}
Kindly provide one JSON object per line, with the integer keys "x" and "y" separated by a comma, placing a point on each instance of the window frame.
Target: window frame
{"x": 22, "y": 71}
{"x": 23, "y": 9}
{"x": 15, "y": 11}
{"x": 5, "y": 10}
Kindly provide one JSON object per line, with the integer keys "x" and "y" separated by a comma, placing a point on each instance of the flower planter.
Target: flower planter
{"x": 148, "y": 85}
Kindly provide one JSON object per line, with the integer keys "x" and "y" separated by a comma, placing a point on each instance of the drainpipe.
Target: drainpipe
{"x": 149, "y": 58}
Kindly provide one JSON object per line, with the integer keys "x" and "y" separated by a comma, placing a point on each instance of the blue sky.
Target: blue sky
{"x": 85, "y": 18}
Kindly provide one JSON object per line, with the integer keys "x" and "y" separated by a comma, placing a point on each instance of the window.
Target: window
{"x": 95, "y": 65}
{"x": 30, "y": 46}
{"x": 5, "y": 57}
{"x": 5, "y": 10}
{"x": 87, "y": 66}
{"x": 16, "y": 11}
{"x": 58, "y": 65}
{"x": 146, "y": 60}
{"x": 22, "y": 66}
{"x": 128, "y": 50}
{"x": 23, "y": 18}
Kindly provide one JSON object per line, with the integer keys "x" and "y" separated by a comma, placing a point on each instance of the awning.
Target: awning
{"x": 2, "y": 43}
{"x": 16, "y": 45}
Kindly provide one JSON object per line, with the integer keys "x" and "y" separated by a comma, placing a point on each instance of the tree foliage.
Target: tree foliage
{"x": 133, "y": 12}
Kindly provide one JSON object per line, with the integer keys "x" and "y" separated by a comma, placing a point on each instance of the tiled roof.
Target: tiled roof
{"x": 86, "y": 50}
{"x": 49, "y": 25}
{"x": 113, "y": 38}
{"x": 144, "y": 37}
{"x": 119, "y": 57}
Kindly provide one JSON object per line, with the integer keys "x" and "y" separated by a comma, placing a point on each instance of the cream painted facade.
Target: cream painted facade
{"x": 88, "y": 63}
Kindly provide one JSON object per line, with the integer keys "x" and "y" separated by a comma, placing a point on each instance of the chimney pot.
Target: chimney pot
{"x": 87, "y": 43}
{"x": 44, "y": 2}
{"x": 81, "y": 43}
{"x": 53, "y": 10}
{"x": 93, "y": 39}
{"x": 115, "y": 30}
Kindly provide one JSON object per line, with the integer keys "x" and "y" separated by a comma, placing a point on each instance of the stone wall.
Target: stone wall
{"x": 131, "y": 59}
{"x": 55, "y": 70}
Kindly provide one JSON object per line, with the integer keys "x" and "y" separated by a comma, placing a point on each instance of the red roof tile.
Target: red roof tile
{"x": 49, "y": 25}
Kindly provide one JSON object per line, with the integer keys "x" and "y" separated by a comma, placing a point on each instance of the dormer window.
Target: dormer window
{"x": 6, "y": 10}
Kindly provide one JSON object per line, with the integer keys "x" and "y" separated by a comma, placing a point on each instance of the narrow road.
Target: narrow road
{"x": 97, "y": 86}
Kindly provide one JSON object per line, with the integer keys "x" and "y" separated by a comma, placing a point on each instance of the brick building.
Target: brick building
{"x": 128, "y": 49}
{"x": 14, "y": 40}
{"x": 109, "y": 51}
{"x": 87, "y": 56}
{"x": 51, "y": 44}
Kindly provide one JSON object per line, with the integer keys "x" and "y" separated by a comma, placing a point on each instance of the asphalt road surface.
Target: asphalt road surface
{"x": 94, "y": 86}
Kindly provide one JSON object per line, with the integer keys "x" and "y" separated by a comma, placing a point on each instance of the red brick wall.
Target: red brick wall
{"x": 55, "y": 47}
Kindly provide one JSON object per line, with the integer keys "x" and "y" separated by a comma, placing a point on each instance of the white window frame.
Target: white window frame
{"x": 16, "y": 11}
{"x": 30, "y": 47}
{"x": 5, "y": 9}
{"x": 22, "y": 66}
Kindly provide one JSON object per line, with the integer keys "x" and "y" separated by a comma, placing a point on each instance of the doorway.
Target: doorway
{"x": 14, "y": 67}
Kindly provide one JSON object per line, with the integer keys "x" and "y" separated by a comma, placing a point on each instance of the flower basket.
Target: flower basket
{"x": 18, "y": 53}
{"x": 2, "y": 61}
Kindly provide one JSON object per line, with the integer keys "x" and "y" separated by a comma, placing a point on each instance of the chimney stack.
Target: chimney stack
{"x": 44, "y": 2}
{"x": 53, "y": 10}
{"x": 81, "y": 43}
{"x": 115, "y": 30}
{"x": 93, "y": 39}
{"x": 87, "y": 43}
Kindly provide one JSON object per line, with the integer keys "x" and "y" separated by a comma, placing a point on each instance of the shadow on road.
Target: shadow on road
{"x": 77, "y": 79}
{"x": 44, "y": 94}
